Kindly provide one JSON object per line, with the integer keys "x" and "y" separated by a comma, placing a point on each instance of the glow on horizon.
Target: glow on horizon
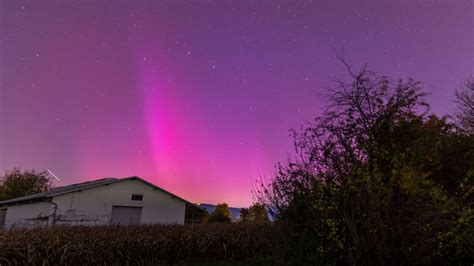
{"x": 197, "y": 97}
{"x": 184, "y": 151}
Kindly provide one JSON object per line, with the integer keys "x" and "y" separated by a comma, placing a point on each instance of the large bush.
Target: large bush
{"x": 376, "y": 180}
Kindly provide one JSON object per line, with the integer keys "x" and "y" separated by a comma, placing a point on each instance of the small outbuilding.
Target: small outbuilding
{"x": 125, "y": 201}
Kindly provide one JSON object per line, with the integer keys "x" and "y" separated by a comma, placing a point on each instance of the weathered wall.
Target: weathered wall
{"x": 94, "y": 206}
{"x": 33, "y": 214}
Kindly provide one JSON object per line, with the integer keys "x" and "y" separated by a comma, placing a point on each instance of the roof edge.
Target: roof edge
{"x": 42, "y": 197}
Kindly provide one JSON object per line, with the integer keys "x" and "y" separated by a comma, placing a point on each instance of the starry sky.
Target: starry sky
{"x": 198, "y": 96}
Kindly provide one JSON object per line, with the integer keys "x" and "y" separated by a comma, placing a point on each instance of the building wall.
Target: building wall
{"x": 94, "y": 206}
{"x": 29, "y": 215}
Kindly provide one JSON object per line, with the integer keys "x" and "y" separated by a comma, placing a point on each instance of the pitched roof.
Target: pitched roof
{"x": 81, "y": 186}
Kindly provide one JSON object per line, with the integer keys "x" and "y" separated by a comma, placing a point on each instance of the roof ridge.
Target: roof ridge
{"x": 61, "y": 190}
{"x": 85, "y": 182}
{"x": 86, "y": 185}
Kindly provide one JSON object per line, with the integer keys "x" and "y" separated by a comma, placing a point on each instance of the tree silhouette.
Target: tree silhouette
{"x": 257, "y": 213}
{"x": 375, "y": 178}
{"x": 220, "y": 215}
{"x": 465, "y": 102}
{"x": 18, "y": 183}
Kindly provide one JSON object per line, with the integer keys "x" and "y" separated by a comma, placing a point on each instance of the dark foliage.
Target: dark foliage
{"x": 220, "y": 215}
{"x": 18, "y": 183}
{"x": 257, "y": 213}
{"x": 465, "y": 101}
{"x": 376, "y": 180}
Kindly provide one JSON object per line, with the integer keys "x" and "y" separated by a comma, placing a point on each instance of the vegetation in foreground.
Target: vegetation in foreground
{"x": 377, "y": 180}
{"x": 217, "y": 243}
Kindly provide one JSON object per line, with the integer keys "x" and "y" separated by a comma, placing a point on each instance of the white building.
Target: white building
{"x": 105, "y": 201}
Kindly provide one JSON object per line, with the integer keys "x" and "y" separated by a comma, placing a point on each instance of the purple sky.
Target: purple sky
{"x": 198, "y": 96}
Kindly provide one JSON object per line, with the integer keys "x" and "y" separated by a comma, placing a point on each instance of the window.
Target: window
{"x": 137, "y": 197}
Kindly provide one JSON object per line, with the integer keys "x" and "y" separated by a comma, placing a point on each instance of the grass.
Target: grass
{"x": 215, "y": 244}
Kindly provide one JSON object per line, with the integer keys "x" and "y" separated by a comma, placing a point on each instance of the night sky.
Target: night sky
{"x": 198, "y": 96}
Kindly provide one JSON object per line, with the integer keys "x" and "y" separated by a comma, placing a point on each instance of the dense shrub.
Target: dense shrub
{"x": 221, "y": 214}
{"x": 145, "y": 244}
{"x": 377, "y": 181}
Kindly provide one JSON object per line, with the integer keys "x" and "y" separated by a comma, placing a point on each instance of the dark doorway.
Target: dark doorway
{"x": 3, "y": 216}
{"x": 193, "y": 214}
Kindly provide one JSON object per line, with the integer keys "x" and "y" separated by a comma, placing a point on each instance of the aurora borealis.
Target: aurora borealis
{"x": 198, "y": 96}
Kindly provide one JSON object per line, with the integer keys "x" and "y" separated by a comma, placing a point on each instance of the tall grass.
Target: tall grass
{"x": 131, "y": 245}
